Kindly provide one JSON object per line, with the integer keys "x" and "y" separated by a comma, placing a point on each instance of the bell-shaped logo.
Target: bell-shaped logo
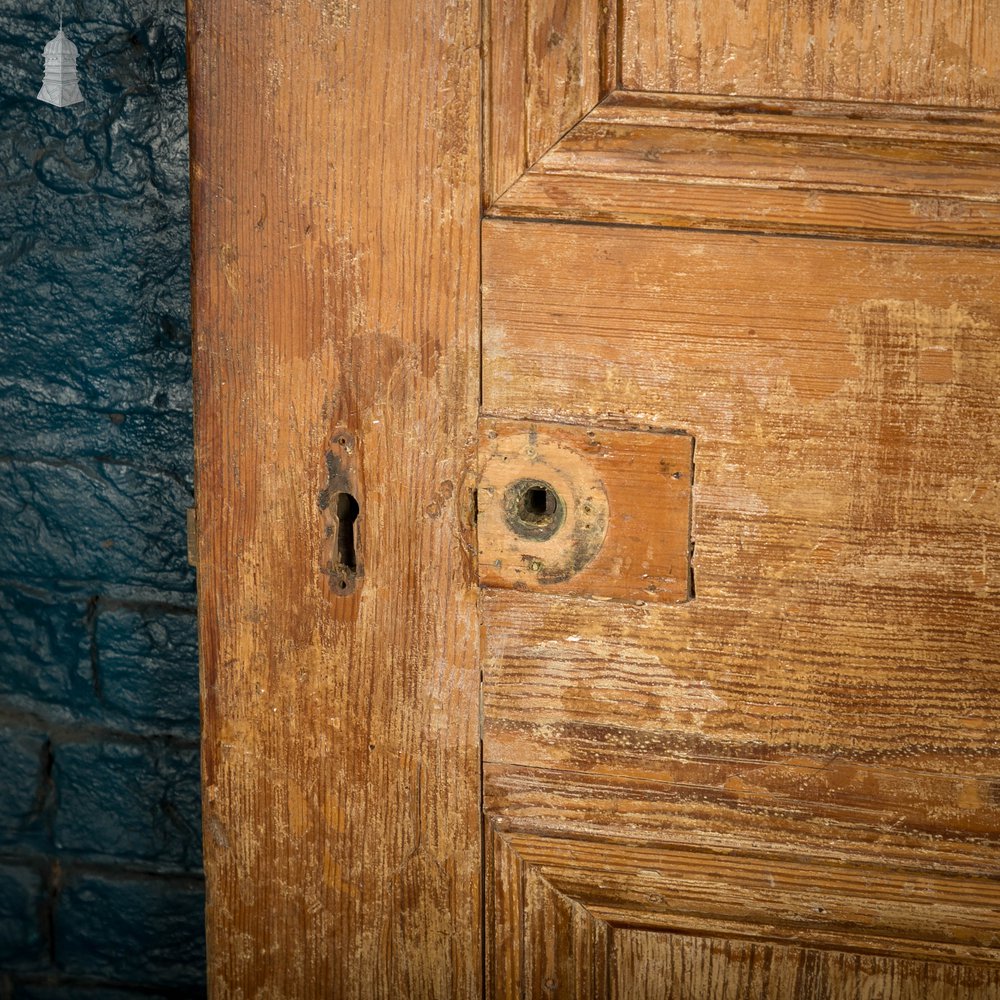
{"x": 60, "y": 86}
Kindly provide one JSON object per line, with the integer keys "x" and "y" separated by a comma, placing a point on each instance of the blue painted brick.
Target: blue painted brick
{"x": 135, "y": 433}
{"x": 95, "y": 418}
{"x": 95, "y": 221}
{"x": 131, "y": 930}
{"x": 70, "y": 991}
{"x": 130, "y": 802}
{"x": 22, "y": 896}
{"x": 93, "y": 521}
{"x": 148, "y": 664}
{"x": 24, "y": 797}
{"x": 43, "y": 640}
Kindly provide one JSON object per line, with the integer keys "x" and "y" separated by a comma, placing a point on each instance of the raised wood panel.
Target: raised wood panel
{"x": 762, "y": 894}
{"x": 784, "y": 168}
{"x": 829, "y": 701}
{"x": 721, "y": 798}
{"x": 935, "y": 52}
{"x": 505, "y": 915}
{"x": 335, "y": 182}
{"x": 540, "y": 942}
{"x": 655, "y": 966}
{"x": 799, "y": 117}
{"x": 582, "y": 919}
{"x": 846, "y": 524}
{"x": 733, "y": 859}
{"x": 548, "y": 63}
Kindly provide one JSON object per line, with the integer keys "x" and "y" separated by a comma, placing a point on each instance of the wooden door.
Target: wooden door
{"x": 598, "y": 461}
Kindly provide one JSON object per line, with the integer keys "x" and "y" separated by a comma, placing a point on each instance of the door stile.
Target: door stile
{"x": 335, "y": 167}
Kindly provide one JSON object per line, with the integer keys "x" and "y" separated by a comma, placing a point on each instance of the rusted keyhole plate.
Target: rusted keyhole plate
{"x": 541, "y": 505}
{"x": 587, "y": 511}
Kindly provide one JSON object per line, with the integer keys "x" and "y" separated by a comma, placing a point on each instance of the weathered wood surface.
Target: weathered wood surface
{"x": 725, "y": 861}
{"x": 539, "y": 941}
{"x": 935, "y": 52}
{"x": 781, "y": 167}
{"x": 871, "y": 907}
{"x": 548, "y": 63}
{"x": 806, "y": 754}
{"x": 846, "y": 517}
{"x": 809, "y": 750}
{"x": 335, "y": 172}
{"x": 837, "y": 814}
{"x": 563, "y": 921}
{"x": 618, "y": 517}
{"x": 651, "y": 966}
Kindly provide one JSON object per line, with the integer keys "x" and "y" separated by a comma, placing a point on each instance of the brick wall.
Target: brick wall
{"x": 101, "y": 895}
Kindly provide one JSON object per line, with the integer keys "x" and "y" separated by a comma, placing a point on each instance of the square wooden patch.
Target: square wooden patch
{"x": 586, "y": 511}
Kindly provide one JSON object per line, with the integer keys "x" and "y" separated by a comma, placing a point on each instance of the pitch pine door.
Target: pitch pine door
{"x": 598, "y": 512}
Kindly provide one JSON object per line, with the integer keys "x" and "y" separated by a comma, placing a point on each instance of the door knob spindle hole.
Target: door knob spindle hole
{"x": 533, "y": 509}
{"x": 538, "y": 504}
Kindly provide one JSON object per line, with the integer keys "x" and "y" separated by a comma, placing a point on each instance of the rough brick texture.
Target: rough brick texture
{"x": 164, "y": 644}
{"x": 100, "y": 885}
{"x": 134, "y": 801}
{"x": 102, "y": 930}
{"x": 42, "y": 640}
{"x": 65, "y": 990}
{"x": 24, "y": 759}
{"x": 21, "y": 939}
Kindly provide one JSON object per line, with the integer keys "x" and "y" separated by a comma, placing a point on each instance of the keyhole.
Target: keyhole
{"x": 347, "y": 514}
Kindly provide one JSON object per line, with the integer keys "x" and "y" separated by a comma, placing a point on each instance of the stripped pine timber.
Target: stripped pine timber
{"x": 758, "y": 894}
{"x": 786, "y": 168}
{"x": 842, "y": 813}
{"x": 883, "y": 672}
{"x": 846, "y": 521}
{"x": 935, "y": 52}
{"x": 731, "y": 859}
{"x": 540, "y": 942}
{"x": 904, "y": 122}
{"x": 656, "y": 966}
{"x": 618, "y": 517}
{"x": 808, "y": 750}
{"x": 548, "y": 63}
{"x": 551, "y": 932}
{"x": 335, "y": 173}
{"x": 779, "y": 779}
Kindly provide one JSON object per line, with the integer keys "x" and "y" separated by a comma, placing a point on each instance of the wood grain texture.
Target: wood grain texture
{"x": 786, "y": 787}
{"x": 793, "y": 898}
{"x": 788, "y": 168}
{"x": 548, "y": 63}
{"x": 617, "y": 523}
{"x": 846, "y": 513}
{"x": 731, "y": 859}
{"x": 544, "y": 943}
{"x": 655, "y": 966}
{"x": 335, "y": 174}
{"x": 584, "y": 920}
{"x": 935, "y": 52}
{"x": 800, "y": 117}
{"x": 836, "y": 814}
{"x": 808, "y": 749}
